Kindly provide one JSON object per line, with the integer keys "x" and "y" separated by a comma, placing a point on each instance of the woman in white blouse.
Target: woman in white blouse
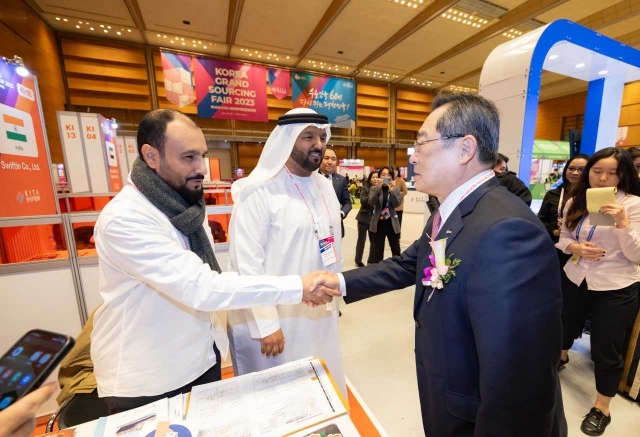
{"x": 607, "y": 258}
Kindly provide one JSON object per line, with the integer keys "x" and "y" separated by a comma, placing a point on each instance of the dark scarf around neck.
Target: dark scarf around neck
{"x": 188, "y": 219}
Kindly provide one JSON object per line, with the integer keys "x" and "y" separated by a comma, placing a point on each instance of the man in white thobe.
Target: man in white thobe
{"x": 284, "y": 212}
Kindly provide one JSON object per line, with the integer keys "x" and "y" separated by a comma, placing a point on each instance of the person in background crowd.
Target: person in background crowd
{"x": 340, "y": 184}
{"x": 285, "y": 221}
{"x": 551, "y": 217}
{"x": 352, "y": 190}
{"x": 384, "y": 197}
{"x": 635, "y": 155}
{"x": 364, "y": 222}
{"x": 510, "y": 180}
{"x": 607, "y": 258}
{"x": 157, "y": 334}
{"x": 402, "y": 185}
{"x": 19, "y": 419}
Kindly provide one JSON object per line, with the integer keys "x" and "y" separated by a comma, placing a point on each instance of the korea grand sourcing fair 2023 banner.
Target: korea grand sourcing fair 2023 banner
{"x": 230, "y": 90}
{"x": 26, "y": 187}
{"x": 330, "y": 96}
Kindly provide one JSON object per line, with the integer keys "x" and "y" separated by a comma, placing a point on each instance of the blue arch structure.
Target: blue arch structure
{"x": 519, "y": 63}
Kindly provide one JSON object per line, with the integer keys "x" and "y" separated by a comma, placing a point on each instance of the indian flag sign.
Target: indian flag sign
{"x": 14, "y": 127}
{"x": 17, "y": 136}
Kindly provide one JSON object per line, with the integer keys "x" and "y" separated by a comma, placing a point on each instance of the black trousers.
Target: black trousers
{"x": 385, "y": 231}
{"x": 120, "y": 404}
{"x": 363, "y": 230}
{"x": 612, "y": 314}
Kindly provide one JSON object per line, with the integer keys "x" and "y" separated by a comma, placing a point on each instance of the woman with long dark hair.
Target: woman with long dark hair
{"x": 551, "y": 216}
{"x": 607, "y": 258}
{"x": 364, "y": 221}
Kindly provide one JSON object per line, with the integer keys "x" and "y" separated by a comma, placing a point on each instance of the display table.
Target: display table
{"x": 415, "y": 201}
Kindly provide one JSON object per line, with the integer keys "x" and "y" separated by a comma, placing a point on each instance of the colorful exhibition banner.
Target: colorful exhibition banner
{"x": 178, "y": 81}
{"x": 331, "y": 96}
{"x": 109, "y": 141}
{"x": 230, "y": 90}
{"x": 25, "y": 170}
{"x": 279, "y": 82}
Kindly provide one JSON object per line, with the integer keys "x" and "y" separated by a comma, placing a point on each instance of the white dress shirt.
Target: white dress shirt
{"x": 155, "y": 331}
{"x": 448, "y": 205}
{"x": 619, "y": 267}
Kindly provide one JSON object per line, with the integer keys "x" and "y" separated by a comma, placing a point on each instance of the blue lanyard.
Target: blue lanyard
{"x": 591, "y": 232}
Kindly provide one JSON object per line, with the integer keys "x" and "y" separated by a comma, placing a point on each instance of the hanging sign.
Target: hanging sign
{"x": 330, "y": 96}
{"x": 230, "y": 90}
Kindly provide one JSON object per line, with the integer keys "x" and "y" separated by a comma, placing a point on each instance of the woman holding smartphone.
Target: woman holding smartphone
{"x": 607, "y": 258}
{"x": 573, "y": 296}
{"x": 384, "y": 197}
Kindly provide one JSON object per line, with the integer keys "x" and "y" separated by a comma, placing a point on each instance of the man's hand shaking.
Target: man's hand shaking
{"x": 319, "y": 288}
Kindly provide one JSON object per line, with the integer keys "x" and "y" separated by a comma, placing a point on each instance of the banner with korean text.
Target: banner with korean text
{"x": 26, "y": 187}
{"x": 178, "y": 81}
{"x": 279, "y": 82}
{"x": 230, "y": 90}
{"x": 330, "y": 96}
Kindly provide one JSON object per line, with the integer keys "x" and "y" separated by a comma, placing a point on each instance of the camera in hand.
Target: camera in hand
{"x": 386, "y": 181}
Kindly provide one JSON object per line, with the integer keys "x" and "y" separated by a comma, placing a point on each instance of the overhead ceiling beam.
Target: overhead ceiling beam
{"x": 611, "y": 15}
{"x": 423, "y": 18}
{"x": 526, "y": 11}
{"x": 460, "y": 78}
{"x": 233, "y": 22}
{"x": 329, "y": 16}
{"x": 136, "y": 15}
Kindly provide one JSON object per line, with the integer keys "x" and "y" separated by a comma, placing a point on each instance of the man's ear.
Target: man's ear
{"x": 468, "y": 149}
{"x": 151, "y": 156}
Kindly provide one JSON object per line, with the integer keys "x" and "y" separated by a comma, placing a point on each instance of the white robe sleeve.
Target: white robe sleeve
{"x": 251, "y": 224}
{"x": 136, "y": 244}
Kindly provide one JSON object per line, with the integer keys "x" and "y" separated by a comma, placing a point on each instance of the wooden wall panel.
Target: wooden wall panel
{"x": 24, "y": 33}
{"x": 106, "y": 76}
{"x": 552, "y": 111}
{"x": 413, "y": 107}
{"x": 372, "y": 108}
{"x": 401, "y": 157}
{"x": 377, "y": 157}
{"x": 248, "y": 155}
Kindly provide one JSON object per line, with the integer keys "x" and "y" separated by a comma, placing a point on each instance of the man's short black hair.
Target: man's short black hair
{"x": 153, "y": 127}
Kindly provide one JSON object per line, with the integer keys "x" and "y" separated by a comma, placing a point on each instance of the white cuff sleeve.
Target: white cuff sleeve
{"x": 343, "y": 285}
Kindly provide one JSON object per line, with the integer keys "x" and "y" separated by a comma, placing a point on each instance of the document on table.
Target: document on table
{"x": 131, "y": 422}
{"x": 340, "y": 426}
{"x": 273, "y": 402}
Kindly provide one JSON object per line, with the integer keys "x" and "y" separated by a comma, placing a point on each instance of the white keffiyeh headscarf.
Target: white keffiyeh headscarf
{"x": 276, "y": 152}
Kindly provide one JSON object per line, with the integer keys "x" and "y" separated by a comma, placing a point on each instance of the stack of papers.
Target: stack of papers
{"x": 297, "y": 399}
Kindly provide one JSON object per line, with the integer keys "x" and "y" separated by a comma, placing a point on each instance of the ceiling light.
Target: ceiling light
{"x": 171, "y": 41}
{"x": 19, "y": 63}
{"x": 77, "y": 26}
{"x": 58, "y": 18}
{"x": 580, "y": 65}
{"x": 183, "y": 43}
{"x": 552, "y": 57}
{"x": 64, "y": 19}
{"x": 80, "y": 22}
{"x": 158, "y": 35}
{"x": 91, "y": 28}
{"x": 205, "y": 47}
{"x": 108, "y": 27}
{"x": 602, "y": 72}
{"x": 114, "y": 123}
{"x": 106, "y": 31}
{"x": 164, "y": 36}
{"x": 287, "y": 57}
{"x": 102, "y": 25}
{"x": 119, "y": 33}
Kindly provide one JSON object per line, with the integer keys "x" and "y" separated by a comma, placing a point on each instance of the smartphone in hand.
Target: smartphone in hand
{"x": 28, "y": 363}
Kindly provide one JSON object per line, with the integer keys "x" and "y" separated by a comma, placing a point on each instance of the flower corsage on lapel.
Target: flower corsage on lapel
{"x": 442, "y": 267}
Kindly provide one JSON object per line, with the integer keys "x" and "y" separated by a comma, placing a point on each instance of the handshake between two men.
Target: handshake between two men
{"x": 320, "y": 287}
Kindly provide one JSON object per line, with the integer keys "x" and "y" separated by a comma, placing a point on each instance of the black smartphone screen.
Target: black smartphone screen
{"x": 28, "y": 363}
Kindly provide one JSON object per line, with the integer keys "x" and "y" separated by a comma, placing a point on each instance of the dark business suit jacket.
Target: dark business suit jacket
{"x": 487, "y": 345}
{"x": 341, "y": 187}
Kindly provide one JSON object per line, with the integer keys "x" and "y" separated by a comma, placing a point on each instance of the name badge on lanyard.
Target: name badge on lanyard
{"x": 575, "y": 258}
{"x": 326, "y": 245}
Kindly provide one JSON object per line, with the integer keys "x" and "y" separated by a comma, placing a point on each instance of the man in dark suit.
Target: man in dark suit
{"x": 340, "y": 183}
{"x": 488, "y": 342}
